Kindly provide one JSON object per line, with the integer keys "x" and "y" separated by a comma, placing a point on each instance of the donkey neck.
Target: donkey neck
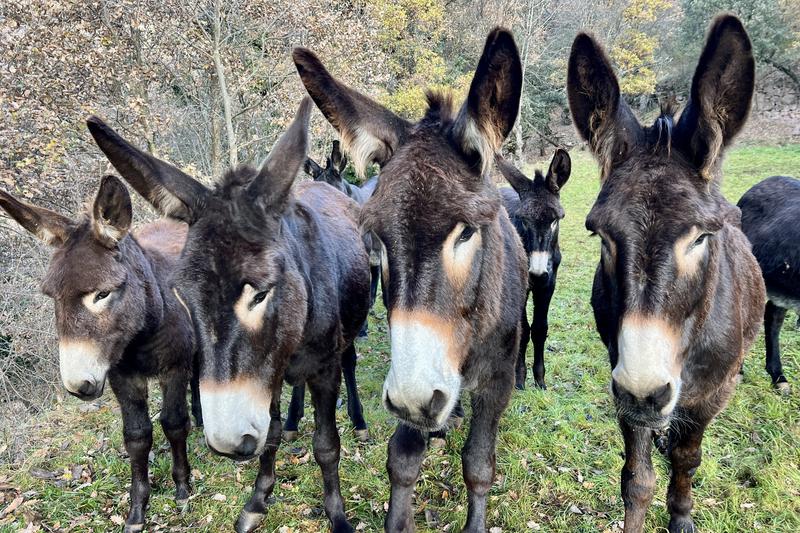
{"x": 151, "y": 270}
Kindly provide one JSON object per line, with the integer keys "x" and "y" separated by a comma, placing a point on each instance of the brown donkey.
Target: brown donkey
{"x": 677, "y": 294}
{"x": 454, "y": 270}
{"x": 276, "y": 279}
{"x": 117, "y": 321}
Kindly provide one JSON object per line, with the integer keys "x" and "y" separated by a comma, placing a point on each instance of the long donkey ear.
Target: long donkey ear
{"x": 601, "y": 116}
{"x": 513, "y": 175}
{"x": 112, "y": 212}
{"x": 722, "y": 91}
{"x": 311, "y": 168}
{"x": 370, "y": 132}
{"x": 559, "y": 171}
{"x": 48, "y": 226}
{"x": 492, "y": 105}
{"x": 172, "y": 192}
{"x": 338, "y": 159}
{"x": 273, "y": 182}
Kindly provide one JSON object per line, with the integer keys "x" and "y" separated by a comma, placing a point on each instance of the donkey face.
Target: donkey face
{"x": 99, "y": 303}
{"x": 234, "y": 276}
{"x": 332, "y": 173}
{"x": 658, "y": 213}
{"x": 540, "y": 210}
{"x": 437, "y": 217}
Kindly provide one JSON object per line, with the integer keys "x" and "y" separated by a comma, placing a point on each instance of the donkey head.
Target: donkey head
{"x": 658, "y": 213}
{"x": 540, "y": 210}
{"x": 99, "y": 300}
{"x": 437, "y": 217}
{"x": 236, "y": 278}
{"x": 332, "y": 173}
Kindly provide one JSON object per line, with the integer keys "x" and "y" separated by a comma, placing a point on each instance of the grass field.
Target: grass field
{"x": 558, "y": 456}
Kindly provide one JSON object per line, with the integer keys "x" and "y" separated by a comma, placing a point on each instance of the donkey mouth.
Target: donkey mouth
{"x": 645, "y": 420}
{"x": 238, "y": 457}
{"x": 88, "y": 394}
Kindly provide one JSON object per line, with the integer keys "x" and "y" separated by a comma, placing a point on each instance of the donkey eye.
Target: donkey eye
{"x": 701, "y": 239}
{"x": 466, "y": 234}
{"x": 259, "y": 297}
{"x": 101, "y": 296}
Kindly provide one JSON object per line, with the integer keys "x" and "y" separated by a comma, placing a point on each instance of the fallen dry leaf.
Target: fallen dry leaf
{"x": 11, "y": 506}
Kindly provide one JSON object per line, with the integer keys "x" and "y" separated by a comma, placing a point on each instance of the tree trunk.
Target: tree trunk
{"x": 233, "y": 151}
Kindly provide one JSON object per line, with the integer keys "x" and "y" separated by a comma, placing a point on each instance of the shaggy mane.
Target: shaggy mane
{"x": 659, "y": 135}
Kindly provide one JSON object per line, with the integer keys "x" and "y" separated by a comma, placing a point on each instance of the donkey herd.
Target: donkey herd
{"x": 263, "y": 279}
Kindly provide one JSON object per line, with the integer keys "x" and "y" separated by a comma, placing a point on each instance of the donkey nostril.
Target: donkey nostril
{"x": 247, "y": 447}
{"x": 621, "y": 394}
{"x": 438, "y": 403}
{"x": 660, "y": 397}
{"x": 388, "y": 403}
{"x": 87, "y": 388}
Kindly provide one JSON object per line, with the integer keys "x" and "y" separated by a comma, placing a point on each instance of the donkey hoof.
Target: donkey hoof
{"x": 182, "y": 498}
{"x": 661, "y": 442}
{"x": 519, "y": 386}
{"x": 540, "y": 385}
{"x": 342, "y": 526}
{"x": 289, "y": 435}
{"x": 133, "y": 528}
{"x": 248, "y": 521}
{"x": 681, "y": 524}
{"x": 362, "y": 435}
{"x": 784, "y": 388}
{"x": 437, "y": 443}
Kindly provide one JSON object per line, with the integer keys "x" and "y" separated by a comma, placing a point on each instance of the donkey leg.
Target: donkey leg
{"x": 176, "y": 425}
{"x": 406, "y": 451}
{"x": 194, "y": 383}
{"x": 295, "y": 413}
{"x": 773, "y": 322}
{"x": 256, "y": 507}
{"x": 137, "y": 432}
{"x": 354, "y": 409}
{"x": 521, "y": 371}
{"x": 539, "y": 327}
{"x": 324, "y": 391}
{"x": 638, "y": 478}
{"x": 478, "y": 455}
{"x": 685, "y": 456}
{"x": 374, "y": 279}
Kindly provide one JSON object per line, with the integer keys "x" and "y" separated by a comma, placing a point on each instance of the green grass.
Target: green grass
{"x": 559, "y": 451}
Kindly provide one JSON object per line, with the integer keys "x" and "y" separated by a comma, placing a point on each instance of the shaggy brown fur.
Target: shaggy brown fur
{"x": 677, "y": 295}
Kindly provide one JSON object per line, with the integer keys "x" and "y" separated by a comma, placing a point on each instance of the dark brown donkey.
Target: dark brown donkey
{"x": 276, "y": 280}
{"x": 677, "y": 295}
{"x": 534, "y": 207}
{"x": 117, "y": 321}
{"x": 770, "y": 212}
{"x": 454, "y": 270}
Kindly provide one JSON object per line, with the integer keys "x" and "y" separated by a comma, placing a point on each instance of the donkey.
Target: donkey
{"x": 117, "y": 320}
{"x": 332, "y": 175}
{"x": 535, "y": 210}
{"x": 276, "y": 281}
{"x": 453, "y": 268}
{"x": 770, "y": 211}
{"x": 677, "y": 294}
